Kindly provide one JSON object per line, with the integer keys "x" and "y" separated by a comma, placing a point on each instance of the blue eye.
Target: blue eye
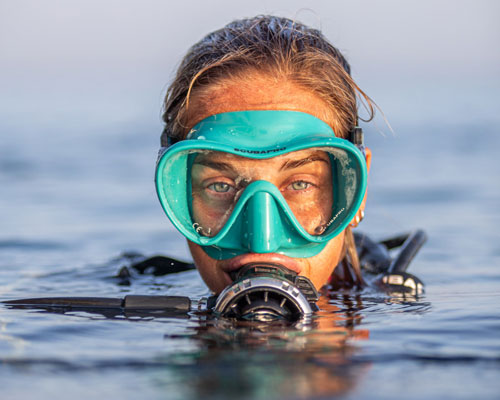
{"x": 220, "y": 187}
{"x": 300, "y": 185}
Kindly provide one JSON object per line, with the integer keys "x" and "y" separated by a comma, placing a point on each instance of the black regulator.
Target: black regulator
{"x": 262, "y": 292}
{"x": 266, "y": 292}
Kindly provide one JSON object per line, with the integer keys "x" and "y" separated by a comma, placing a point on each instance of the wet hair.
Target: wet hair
{"x": 279, "y": 47}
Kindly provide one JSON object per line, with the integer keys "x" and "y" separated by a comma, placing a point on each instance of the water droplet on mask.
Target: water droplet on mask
{"x": 319, "y": 229}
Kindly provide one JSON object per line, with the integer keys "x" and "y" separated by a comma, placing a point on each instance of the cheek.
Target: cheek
{"x": 313, "y": 212}
{"x": 210, "y": 216}
{"x": 213, "y": 276}
{"x": 201, "y": 213}
{"x": 321, "y": 266}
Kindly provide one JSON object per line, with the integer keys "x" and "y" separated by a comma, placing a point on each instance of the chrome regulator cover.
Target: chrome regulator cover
{"x": 267, "y": 292}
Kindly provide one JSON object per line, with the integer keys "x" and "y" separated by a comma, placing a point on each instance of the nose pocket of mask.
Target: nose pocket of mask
{"x": 259, "y": 218}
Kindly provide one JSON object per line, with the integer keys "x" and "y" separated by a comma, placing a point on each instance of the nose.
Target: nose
{"x": 259, "y": 231}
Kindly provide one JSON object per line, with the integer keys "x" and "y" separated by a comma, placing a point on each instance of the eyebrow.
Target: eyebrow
{"x": 290, "y": 164}
{"x": 221, "y": 166}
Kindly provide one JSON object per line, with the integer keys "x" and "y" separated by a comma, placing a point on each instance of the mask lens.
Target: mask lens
{"x": 300, "y": 197}
{"x": 304, "y": 181}
{"x": 215, "y": 188}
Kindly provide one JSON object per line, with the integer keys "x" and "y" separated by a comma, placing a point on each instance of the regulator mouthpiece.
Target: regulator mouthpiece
{"x": 267, "y": 292}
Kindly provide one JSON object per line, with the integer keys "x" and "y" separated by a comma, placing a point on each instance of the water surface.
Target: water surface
{"x": 73, "y": 202}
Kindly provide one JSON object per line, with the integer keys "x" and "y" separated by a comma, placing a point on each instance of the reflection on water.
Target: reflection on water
{"x": 245, "y": 360}
{"x": 222, "y": 358}
{"x": 353, "y": 341}
{"x": 71, "y": 213}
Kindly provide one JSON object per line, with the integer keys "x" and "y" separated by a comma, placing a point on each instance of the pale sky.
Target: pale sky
{"x": 111, "y": 59}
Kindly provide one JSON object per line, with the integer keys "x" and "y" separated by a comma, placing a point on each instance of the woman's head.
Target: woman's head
{"x": 264, "y": 63}
{"x": 277, "y": 49}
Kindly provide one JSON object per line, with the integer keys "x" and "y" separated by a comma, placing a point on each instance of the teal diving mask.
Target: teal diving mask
{"x": 220, "y": 197}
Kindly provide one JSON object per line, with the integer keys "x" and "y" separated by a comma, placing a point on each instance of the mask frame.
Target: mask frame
{"x": 260, "y": 135}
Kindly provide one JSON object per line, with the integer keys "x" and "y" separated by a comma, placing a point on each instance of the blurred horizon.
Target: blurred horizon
{"x": 110, "y": 62}
{"x": 83, "y": 82}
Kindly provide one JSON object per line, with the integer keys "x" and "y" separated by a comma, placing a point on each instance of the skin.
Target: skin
{"x": 304, "y": 179}
{"x": 215, "y": 180}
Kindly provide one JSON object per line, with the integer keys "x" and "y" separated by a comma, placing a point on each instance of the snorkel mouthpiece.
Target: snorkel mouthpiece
{"x": 267, "y": 292}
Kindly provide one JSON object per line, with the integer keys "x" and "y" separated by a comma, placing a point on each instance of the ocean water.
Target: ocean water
{"x": 75, "y": 198}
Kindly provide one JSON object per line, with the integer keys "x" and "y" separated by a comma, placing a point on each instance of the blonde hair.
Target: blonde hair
{"x": 272, "y": 45}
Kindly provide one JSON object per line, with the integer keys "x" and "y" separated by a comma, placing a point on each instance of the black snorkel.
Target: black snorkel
{"x": 266, "y": 292}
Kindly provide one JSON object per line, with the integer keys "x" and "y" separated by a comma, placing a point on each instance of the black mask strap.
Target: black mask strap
{"x": 356, "y": 137}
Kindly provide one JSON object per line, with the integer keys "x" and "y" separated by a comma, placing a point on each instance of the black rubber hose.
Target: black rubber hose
{"x": 409, "y": 249}
{"x": 130, "y": 302}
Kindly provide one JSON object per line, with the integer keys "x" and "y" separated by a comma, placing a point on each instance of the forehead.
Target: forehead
{"x": 256, "y": 91}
